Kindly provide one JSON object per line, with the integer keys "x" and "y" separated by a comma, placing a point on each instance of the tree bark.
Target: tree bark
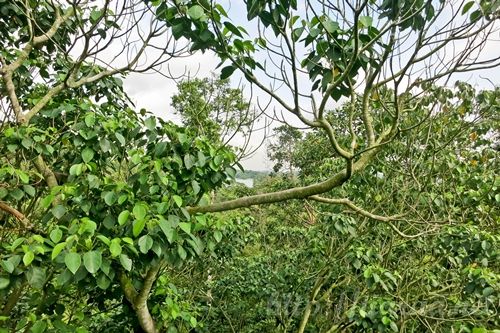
{"x": 139, "y": 300}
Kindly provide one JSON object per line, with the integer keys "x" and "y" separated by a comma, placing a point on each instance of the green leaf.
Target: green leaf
{"x": 183, "y": 138}
{"x": 196, "y": 187}
{"x": 92, "y": 261}
{"x": 87, "y": 154}
{"x": 120, "y": 138}
{"x": 4, "y": 282}
{"x": 186, "y": 227}
{"x": 140, "y": 211}
{"x": 109, "y": 222}
{"x": 163, "y": 207}
{"x": 122, "y": 198}
{"x": 231, "y": 27}
{"x": 103, "y": 282}
{"x": 73, "y": 261}
{"x": 137, "y": 227}
{"x": 182, "y": 253}
{"x": 90, "y": 120}
{"x": 57, "y": 249}
{"x": 16, "y": 243}
{"x": 150, "y": 123}
{"x": 189, "y": 161}
{"x": 104, "y": 239}
{"x": 185, "y": 213}
{"x": 56, "y": 235}
{"x": 123, "y": 217}
{"x": 297, "y": 33}
{"x": 110, "y": 198}
{"x": 23, "y": 176}
{"x": 95, "y": 14}
{"x": 115, "y": 248}
{"x": 231, "y": 172}
{"x": 366, "y": 21}
{"x": 195, "y": 12}
{"x": 178, "y": 200}
{"x": 227, "y": 72}
{"x": 76, "y": 170}
{"x": 39, "y": 327}
{"x": 201, "y": 159}
{"x": 128, "y": 240}
{"x": 47, "y": 201}
{"x": 467, "y": 7}
{"x": 30, "y": 190}
{"x": 475, "y": 15}
{"x": 17, "y": 194}
{"x": 38, "y": 238}
{"x": 58, "y": 211}
{"x": 28, "y": 258}
{"x": 126, "y": 262}
{"x": 488, "y": 291}
{"x": 330, "y": 26}
{"x": 8, "y": 265}
{"x": 479, "y": 330}
{"x": 105, "y": 145}
{"x": 167, "y": 229}
{"x": 36, "y": 277}
{"x": 145, "y": 243}
{"x": 218, "y": 236}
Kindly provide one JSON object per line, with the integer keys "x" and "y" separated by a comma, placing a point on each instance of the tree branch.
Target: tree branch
{"x": 359, "y": 210}
{"x": 48, "y": 175}
{"x": 139, "y": 300}
{"x": 17, "y": 214}
{"x": 292, "y": 193}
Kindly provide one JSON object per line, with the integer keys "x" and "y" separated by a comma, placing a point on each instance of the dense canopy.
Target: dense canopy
{"x": 381, "y": 213}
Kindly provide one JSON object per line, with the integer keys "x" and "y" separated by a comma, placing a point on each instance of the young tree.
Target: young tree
{"x": 93, "y": 196}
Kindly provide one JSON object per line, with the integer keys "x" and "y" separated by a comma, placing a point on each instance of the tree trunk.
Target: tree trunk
{"x": 139, "y": 300}
{"x": 145, "y": 319}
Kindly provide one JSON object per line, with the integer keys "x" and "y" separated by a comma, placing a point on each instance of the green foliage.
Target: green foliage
{"x": 119, "y": 205}
{"x": 210, "y": 107}
{"x": 281, "y": 149}
{"x": 96, "y": 199}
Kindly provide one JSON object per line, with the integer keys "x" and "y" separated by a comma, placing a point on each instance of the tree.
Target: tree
{"x": 212, "y": 108}
{"x": 281, "y": 151}
{"x": 93, "y": 195}
{"x": 351, "y": 51}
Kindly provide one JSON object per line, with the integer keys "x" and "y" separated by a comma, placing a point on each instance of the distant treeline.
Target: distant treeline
{"x": 251, "y": 174}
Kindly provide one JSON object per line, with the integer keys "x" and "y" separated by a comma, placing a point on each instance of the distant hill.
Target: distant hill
{"x": 251, "y": 174}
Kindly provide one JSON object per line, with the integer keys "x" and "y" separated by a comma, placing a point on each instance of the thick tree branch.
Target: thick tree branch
{"x": 139, "y": 300}
{"x": 48, "y": 175}
{"x": 149, "y": 280}
{"x": 37, "y": 40}
{"x": 127, "y": 287}
{"x": 293, "y": 193}
{"x": 11, "y": 93}
{"x": 17, "y": 214}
